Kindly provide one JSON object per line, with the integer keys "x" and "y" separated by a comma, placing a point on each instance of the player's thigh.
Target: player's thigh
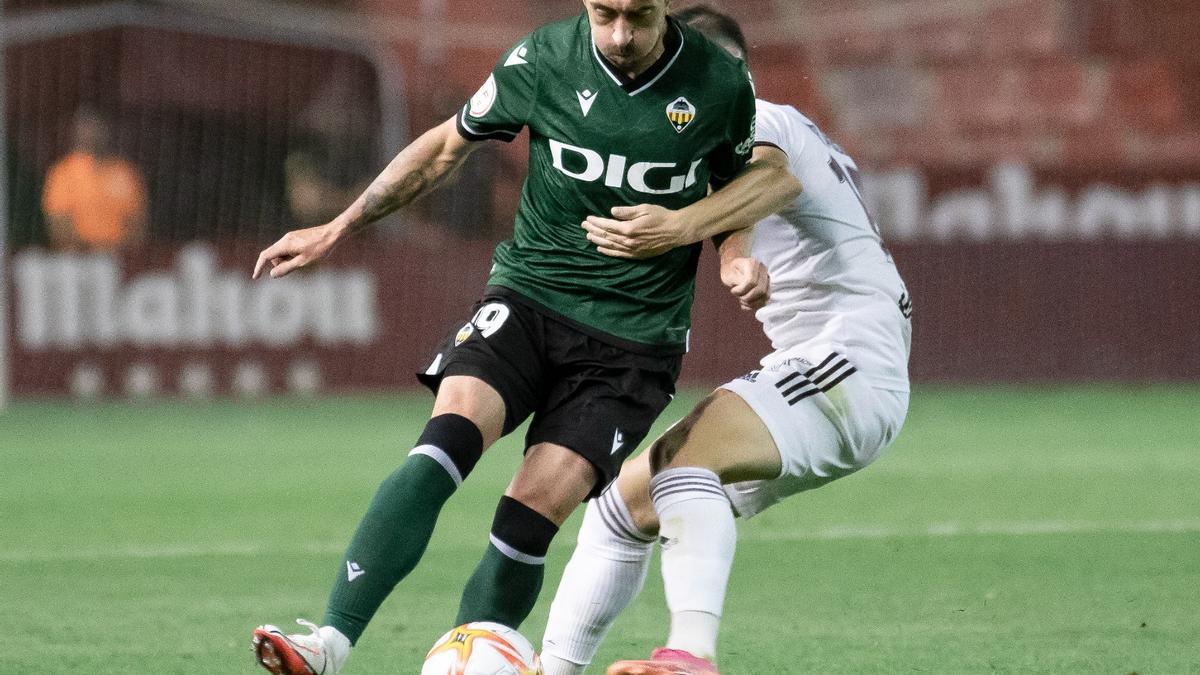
{"x": 498, "y": 351}
{"x": 552, "y": 480}
{"x": 603, "y": 403}
{"x": 722, "y": 434}
{"x": 825, "y": 427}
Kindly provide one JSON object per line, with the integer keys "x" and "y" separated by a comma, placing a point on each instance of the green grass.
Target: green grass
{"x": 1009, "y": 529}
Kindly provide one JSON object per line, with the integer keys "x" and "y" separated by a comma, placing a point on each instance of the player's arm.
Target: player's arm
{"x": 746, "y": 278}
{"x": 417, "y": 170}
{"x": 761, "y": 188}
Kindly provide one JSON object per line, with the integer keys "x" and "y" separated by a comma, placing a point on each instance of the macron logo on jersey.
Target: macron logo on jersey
{"x": 517, "y": 57}
{"x": 586, "y": 98}
{"x": 353, "y": 571}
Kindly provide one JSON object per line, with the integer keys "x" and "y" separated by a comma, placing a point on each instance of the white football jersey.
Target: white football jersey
{"x": 834, "y": 288}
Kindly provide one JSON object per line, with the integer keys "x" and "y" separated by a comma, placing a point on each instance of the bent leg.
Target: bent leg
{"x": 609, "y": 564}
{"x": 721, "y": 441}
{"x": 392, "y": 535}
{"x": 552, "y": 481}
{"x": 606, "y": 572}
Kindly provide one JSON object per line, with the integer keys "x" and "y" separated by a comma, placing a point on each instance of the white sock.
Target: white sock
{"x": 606, "y": 572}
{"x": 699, "y": 537}
{"x": 556, "y": 665}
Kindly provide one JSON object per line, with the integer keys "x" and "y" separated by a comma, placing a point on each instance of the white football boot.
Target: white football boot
{"x": 322, "y": 652}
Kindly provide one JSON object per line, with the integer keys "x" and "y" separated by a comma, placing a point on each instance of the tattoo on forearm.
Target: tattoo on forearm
{"x": 382, "y": 198}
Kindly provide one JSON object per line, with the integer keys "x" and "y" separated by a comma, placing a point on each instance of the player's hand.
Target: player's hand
{"x": 296, "y": 249}
{"x": 641, "y": 231}
{"x": 748, "y": 281}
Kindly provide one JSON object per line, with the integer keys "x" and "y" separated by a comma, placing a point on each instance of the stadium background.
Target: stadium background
{"x": 1035, "y": 167}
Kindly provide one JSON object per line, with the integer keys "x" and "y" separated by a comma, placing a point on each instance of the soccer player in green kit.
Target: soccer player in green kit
{"x": 630, "y": 114}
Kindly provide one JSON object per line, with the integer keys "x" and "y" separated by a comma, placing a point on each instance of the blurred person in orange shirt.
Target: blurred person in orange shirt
{"x": 94, "y": 200}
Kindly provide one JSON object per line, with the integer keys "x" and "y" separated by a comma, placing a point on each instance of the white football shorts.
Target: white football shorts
{"x": 827, "y": 420}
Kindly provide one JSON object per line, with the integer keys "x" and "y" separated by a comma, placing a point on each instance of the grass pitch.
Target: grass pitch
{"x": 1008, "y": 529}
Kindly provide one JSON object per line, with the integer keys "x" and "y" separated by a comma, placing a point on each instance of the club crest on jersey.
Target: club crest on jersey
{"x": 680, "y": 113}
{"x": 463, "y": 334}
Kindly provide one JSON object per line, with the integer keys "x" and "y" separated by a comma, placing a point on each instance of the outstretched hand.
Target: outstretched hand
{"x": 635, "y": 232}
{"x": 296, "y": 249}
{"x": 748, "y": 281}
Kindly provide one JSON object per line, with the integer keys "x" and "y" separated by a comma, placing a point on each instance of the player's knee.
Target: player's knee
{"x": 553, "y": 481}
{"x": 645, "y": 520}
{"x": 476, "y": 400}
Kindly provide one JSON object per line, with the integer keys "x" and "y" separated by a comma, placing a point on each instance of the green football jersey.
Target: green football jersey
{"x": 597, "y": 140}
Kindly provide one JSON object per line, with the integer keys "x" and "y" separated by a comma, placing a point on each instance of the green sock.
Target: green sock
{"x": 389, "y": 542}
{"x": 502, "y": 590}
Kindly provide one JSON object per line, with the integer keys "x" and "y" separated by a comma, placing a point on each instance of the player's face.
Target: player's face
{"x": 628, "y": 32}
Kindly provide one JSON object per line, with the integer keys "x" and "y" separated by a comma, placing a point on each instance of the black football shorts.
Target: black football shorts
{"x": 593, "y": 397}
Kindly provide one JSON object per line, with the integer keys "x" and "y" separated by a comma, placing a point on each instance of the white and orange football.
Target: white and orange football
{"x": 482, "y": 648}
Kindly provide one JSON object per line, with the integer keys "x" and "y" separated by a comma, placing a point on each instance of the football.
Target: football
{"x": 482, "y": 648}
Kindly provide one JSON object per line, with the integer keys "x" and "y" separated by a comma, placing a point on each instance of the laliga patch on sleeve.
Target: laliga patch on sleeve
{"x": 484, "y": 99}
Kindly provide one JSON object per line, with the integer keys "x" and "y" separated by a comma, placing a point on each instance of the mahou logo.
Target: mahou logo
{"x": 1009, "y": 204}
{"x": 69, "y": 301}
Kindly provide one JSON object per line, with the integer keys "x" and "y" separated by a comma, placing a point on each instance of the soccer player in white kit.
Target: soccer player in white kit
{"x": 824, "y": 404}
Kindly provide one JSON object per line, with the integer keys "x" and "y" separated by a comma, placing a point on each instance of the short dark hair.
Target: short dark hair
{"x": 714, "y": 25}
